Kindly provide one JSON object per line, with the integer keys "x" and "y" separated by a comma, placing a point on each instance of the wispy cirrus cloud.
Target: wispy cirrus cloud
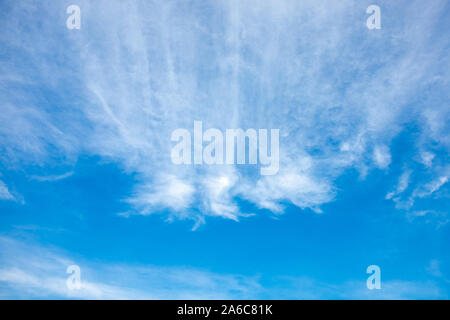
{"x": 52, "y": 178}
{"x": 423, "y": 190}
{"x": 402, "y": 185}
{"x": 138, "y": 70}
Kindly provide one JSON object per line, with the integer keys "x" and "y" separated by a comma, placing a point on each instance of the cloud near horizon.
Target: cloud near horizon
{"x": 29, "y": 270}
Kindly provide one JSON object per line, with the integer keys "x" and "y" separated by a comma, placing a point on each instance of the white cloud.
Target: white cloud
{"x": 427, "y": 158}
{"x": 424, "y": 190}
{"x": 4, "y": 192}
{"x": 382, "y": 156}
{"x": 165, "y": 191}
{"x": 431, "y": 187}
{"x": 217, "y": 194}
{"x": 402, "y": 184}
{"x": 137, "y": 71}
{"x": 291, "y": 184}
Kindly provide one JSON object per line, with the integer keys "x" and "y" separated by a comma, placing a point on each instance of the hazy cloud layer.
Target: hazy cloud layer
{"x": 29, "y": 270}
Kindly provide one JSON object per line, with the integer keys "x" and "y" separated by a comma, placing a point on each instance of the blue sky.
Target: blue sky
{"x": 86, "y": 176}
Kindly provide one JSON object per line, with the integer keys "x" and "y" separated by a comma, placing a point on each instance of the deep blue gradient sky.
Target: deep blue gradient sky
{"x": 85, "y": 171}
